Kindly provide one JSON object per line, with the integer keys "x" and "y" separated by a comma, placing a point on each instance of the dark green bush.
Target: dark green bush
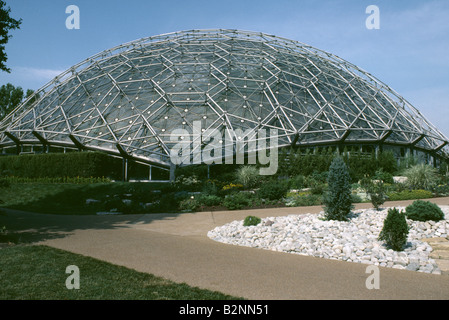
{"x": 395, "y": 230}
{"x": 338, "y": 200}
{"x": 297, "y": 182}
{"x": 236, "y": 201}
{"x": 251, "y": 221}
{"x": 210, "y": 188}
{"x": 188, "y": 204}
{"x": 168, "y": 202}
{"x": 4, "y": 183}
{"x": 209, "y": 200}
{"x": 55, "y": 165}
{"x": 423, "y": 211}
{"x": 386, "y": 177}
{"x": 273, "y": 190}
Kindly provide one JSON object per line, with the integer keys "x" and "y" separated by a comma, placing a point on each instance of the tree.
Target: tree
{"x": 10, "y": 97}
{"x": 395, "y": 230}
{"x": 338, "y": 200}
{"x": 6, "y": 24}
{"x": 376, "y": 191}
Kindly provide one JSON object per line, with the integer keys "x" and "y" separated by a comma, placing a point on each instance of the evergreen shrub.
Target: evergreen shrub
{"x": 251, "y": 221}
{"x": 338, "y": 199}
{"x": 423, "y": 211}
{"x": 395, "y": 230}
{"x": 409, "y": 195}
{"x": 236, "y": 201}
{"x": 273, "y": 190}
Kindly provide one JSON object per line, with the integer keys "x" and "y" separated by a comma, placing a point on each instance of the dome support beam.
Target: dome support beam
{"x": 76, "y": 142}
{"x": 15, "y": 140}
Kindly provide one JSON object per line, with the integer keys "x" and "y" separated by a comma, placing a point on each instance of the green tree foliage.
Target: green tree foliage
{"x": 294, "y": 162}
{"x": 6, "y": 24}
{"x": 338, "y": 201}
{"x": 10, "y": 97}
{"x": 395, "y": 230}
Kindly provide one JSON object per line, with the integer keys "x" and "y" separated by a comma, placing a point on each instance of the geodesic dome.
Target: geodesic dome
{"x": 127, "y": 100}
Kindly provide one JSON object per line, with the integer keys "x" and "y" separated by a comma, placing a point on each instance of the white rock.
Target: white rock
{"x": 354, "y": 240}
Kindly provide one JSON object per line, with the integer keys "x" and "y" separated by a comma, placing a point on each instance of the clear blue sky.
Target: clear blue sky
{"x": 410, "y": 51}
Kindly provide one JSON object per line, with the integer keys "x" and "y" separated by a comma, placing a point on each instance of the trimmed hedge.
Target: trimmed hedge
{"x": 55, "y": 165}
{"x": 409, "y": 195}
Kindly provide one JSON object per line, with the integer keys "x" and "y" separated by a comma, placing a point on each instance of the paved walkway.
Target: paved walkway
{"x": 176, "y": 247}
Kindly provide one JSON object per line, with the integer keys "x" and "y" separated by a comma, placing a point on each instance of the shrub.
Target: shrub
{"x": 377, "y": 199}
{"x": 421, "y": 176}
{"x": 251, "y": 221}
{"x": 303, "y": 200}
{"x": 210, "y": 188}
{"x": 248, "y": 176}
{"x": 423, "y": 211}
{"x": 4, "y": 183}
{"x": 317, "y": 188}
{"x": 210, "y": 200}
{"x": 273, "y": 190}
{"x": 338, "y": 201}
{"x": 188, "y": 204}
{"x": 56, "y": 165}
{"x": 376, "y": 191}
{"x": 237, "y": 201}
{"x": 356, "y": 198}
{"x": 168, "y": 202}
{"x": 409, "y": 195}
{"x": 395, "y": 230}
{"x": 188, "y": 183}
{"x": 386, "y": 177}
{"x": 297, "y": 182}
{"x": 441, "y": 190}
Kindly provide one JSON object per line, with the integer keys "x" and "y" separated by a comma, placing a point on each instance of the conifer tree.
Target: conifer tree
{"x": 338, "y": 200}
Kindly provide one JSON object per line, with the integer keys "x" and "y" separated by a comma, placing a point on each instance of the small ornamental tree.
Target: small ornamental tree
{"x": 338, "y": 200}
{"x": 395, "y": 230}
{"x": 376, "y": 191}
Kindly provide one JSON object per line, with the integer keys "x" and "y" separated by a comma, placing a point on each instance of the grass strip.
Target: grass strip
{"x": 37, "y": 272}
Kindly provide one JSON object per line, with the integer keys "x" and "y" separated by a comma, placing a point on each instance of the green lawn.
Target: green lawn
{"x": 39, "y": 273}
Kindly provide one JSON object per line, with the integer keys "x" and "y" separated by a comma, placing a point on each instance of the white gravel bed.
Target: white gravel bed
{"x": 353, "y": 241}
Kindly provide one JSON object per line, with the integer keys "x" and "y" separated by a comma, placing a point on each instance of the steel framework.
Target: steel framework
{"x": 127, "y": 100}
